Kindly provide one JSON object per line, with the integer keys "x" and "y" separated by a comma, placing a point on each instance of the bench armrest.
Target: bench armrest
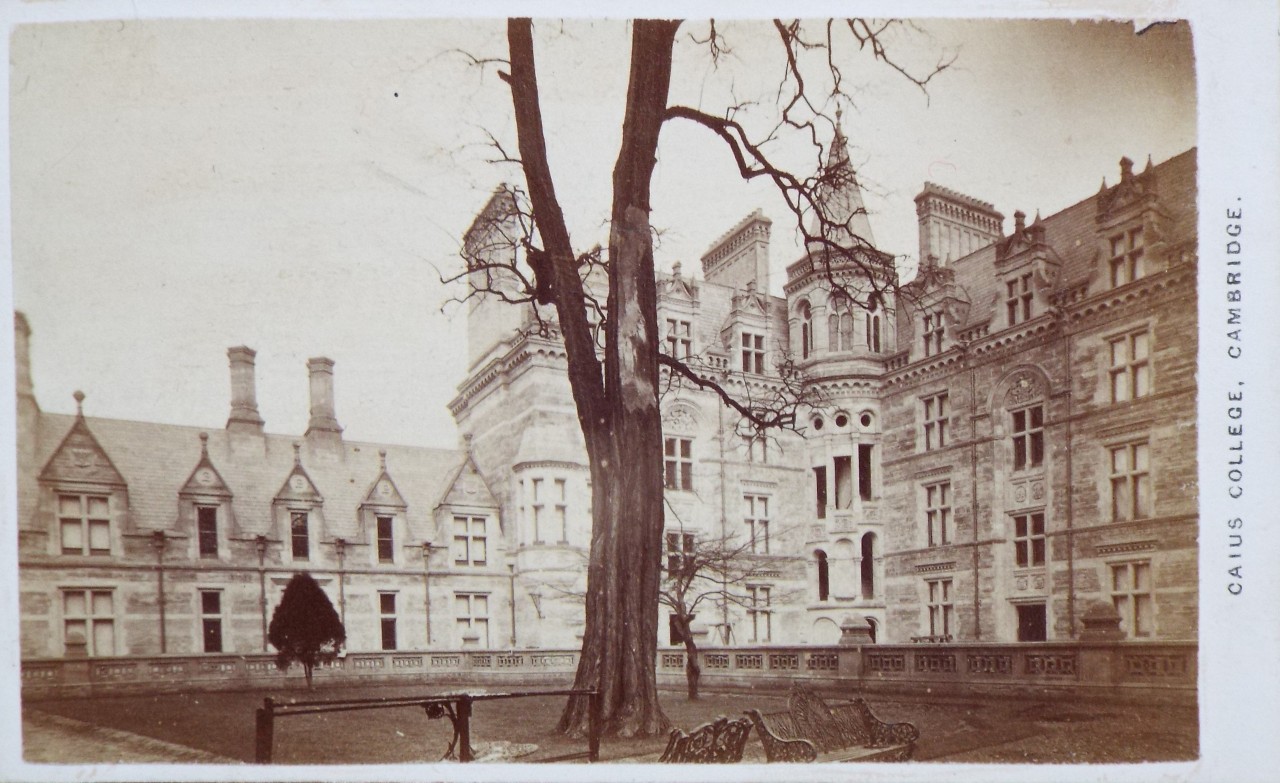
{"x": 777, "y": 749}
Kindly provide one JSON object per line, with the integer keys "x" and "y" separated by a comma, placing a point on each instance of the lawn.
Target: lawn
{"x": 986, "y": 730}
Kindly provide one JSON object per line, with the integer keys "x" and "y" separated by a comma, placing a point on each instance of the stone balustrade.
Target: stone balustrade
{"x": 1164, "y": 671}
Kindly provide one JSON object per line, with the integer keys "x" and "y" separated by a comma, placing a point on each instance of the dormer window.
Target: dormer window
{"x": 753, "y": 353}
{"x": 85, "y": 523}
{"x": 933, "y": 331}
{"x": 1018, "y": 296}
{"x": 299, "y": 535}
{"x": 207, "y": 530}
{"x": 386, "y": 539}
{"x": 679, "y": 338}
{"x": 1127, "y": 257}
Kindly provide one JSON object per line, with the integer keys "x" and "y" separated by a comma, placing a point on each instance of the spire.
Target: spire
{"x": 838, "y": 194}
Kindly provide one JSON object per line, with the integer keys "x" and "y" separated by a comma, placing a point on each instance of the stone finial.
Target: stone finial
{"x": 675, "y": 270}
{"x": 1126, "y": 169}
{"x": 204, "y": 444}
{"x": 297, "y": 453}
{"x": 1101, "y": 622}
{"x": 382, "y": 458}
{"x": 1019, "y": 221}
{"x": 78, "y": 396}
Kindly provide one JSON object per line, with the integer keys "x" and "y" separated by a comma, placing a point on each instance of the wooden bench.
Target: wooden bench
{"x": 812, "y": 730}
{"x": 719, "y": 742}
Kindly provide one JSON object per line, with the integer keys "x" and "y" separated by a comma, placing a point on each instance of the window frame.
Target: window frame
{"x": 940, "y": 605}
{"x": 90, "y": 618}
{"x": 758, "y": 609}
{"x": 1019, "y": 295}
{"x": 677, "y": 463}
{"x": 757, "y": 521}
{"x": 1137, "y": 483}
{"x": 211, "y": 620}
{"x": 934, "y": 329}
{"x": 1126, "y": 257}
{"x": 1028, "y": 438}
{"x": 679, "y": 545}
{"x": 465, "y": 540}
{"x": 387, "y": 620}
{"x": 1131, "y": 371}
{"x": 1030, "y": 548}
{"x": 679, "y": 338}
{"x": 1137, "y": 616}
{"x": 472, "y": 619}
{"x": 387, "y": 555}
{"x": 86, "y": 522}
{"x": 295, "y": 537}
{"x": 938, "y": 515}
{"x": 935, "y": 421}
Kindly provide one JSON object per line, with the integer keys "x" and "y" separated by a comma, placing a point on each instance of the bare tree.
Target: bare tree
{"x": 713, "y": 573}
{"x": 613, "y": 347}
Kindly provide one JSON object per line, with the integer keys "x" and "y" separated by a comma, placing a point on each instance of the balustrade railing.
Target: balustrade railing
{"x": 1082, "y": 666}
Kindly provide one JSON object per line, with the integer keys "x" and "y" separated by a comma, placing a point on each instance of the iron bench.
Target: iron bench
{"x": 719, "y": 742}
{"x": 810, "y": 729}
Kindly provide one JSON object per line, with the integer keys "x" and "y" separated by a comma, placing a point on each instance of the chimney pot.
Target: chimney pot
{"x": 324, "y": 422}
{"x": 244, "y": 394}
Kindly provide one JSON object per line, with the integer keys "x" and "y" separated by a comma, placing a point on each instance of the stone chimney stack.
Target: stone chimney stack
{"x": 1019, "y": 221}
{"x": 323, "y": 428}
{"x": 28, "y": 409}
{"x": 244, "y": 393}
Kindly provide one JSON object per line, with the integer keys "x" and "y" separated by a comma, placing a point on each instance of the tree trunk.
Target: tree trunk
{"x": 306, "y": 669}
{"x": 622, "y": 422}
{"x": 692, "y": 671}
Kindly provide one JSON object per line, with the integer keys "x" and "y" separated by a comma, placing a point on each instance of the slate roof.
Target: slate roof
{"x": 1073, "y": 235}
{"x": 156, "y": 461}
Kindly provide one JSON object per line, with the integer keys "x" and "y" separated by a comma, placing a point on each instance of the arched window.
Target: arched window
{"x": 806, "y": 330}
{"x": 871, "y": 621}
{"x": 868, "y": 566}
{"x": 839, "y": 325}
{"x": 824, "y": 576}
{"x": 873, "y": 332}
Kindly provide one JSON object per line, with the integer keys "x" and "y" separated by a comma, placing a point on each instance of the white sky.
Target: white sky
{"x": 179, "y": 187}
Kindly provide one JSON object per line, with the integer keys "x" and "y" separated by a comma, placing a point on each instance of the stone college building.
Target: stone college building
{"x": 1001, "y": 458}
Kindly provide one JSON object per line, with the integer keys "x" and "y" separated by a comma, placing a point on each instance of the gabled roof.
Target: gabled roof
{"x": 383, "y": 490}
{"x": 468, "y": 487}
{"x": 205, "y": 478}
{"x": 152, "y": 460}
{"x": 80, "y": 457}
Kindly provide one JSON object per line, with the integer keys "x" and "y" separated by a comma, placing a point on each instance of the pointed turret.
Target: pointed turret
{"x": 839, "y": 196}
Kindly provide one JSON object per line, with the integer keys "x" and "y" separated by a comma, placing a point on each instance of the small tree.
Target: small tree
{"x": 712, "y": 573}
{"x": 305, "y": 628}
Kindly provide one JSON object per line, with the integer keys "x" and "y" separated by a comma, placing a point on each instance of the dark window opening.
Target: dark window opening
{"x": 820, "y": 485}
{"x": 207, "y": 529}
{"x": 844, "y": 482}
{"x": 301, "y": 541}
{"x": 864, "y": 470}
{"x": 1032, "y": 623}
{"x": 824, "y": 577}
{"x": 386, "y": 540}
{"x": 868, "y": 565}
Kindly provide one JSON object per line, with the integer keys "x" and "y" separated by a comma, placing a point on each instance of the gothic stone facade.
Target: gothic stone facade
{"x": 1001, "y": 451}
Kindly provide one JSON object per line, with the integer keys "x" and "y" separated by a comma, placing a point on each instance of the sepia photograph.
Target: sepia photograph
{"x": 726, "y": 390}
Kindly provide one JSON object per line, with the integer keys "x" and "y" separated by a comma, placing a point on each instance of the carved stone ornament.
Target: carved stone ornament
{"x": 678, "y": 419}
{"x": 1024, "y": 389}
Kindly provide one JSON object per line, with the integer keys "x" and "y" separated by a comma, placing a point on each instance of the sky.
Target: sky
{"x": 300, "y": 186}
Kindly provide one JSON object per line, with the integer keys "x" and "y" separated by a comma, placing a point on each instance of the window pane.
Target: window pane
{"x": 104, "y": 637}
{"x": 1141, "y": 380}
{"x": 1037, "y": 551}
{"x": 478, "y": 551}
{"x": 1120, "y": 507}
{"x": 1143, "y": 619}
{"x": 462, "y": 605}
{"x": 686, "y": 448}
{"x": 211, "y": 603}
{"x": 1119, "y": 578}
{"x": 69, "y": 505}
{"x": 98, "y": 508}
{"x": 1142, "y": 576}
{"x": 72, "y": 536}
{"x": 73, "y": 603}
{"x": 1037, "y": 416}
{"x": 1119, "y": 460}
{"x": 101, "y": 603}
{"x": 1140, "y": 456}
{"x": 670, "y": 447}
{"x": 387, "y": 603}
{"x": 75, "y": 631}
{"x": 1037, "y": 448}
{"x": 99, "y": 536}
{"x": 212, "y": 636}
{"x": 1019, "y": 421}
{"x": 1141, "y": 345}
{"x": 481, "y": 604}
{"x": 1141, "y": 497}
{"x": 1020, "y": 549}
